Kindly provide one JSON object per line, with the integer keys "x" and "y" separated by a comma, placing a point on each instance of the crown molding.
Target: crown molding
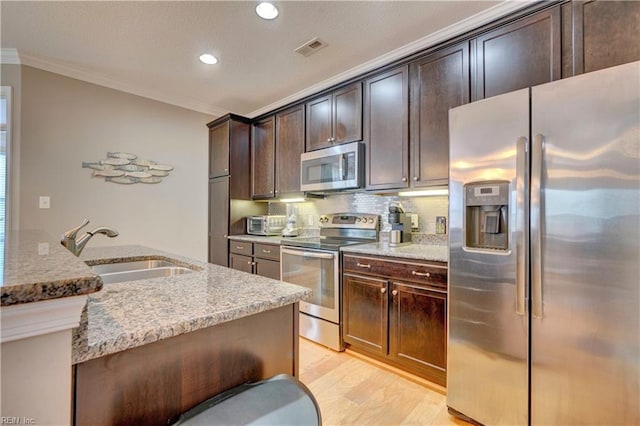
{"x": 101, "y": 80}
{"x": 498, "y": 11}
{"x": 9, "y": 56}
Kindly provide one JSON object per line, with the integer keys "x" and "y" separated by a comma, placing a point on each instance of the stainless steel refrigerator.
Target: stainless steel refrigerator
{"x": 544, "y": 279}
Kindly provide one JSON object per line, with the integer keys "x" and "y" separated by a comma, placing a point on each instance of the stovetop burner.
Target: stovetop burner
{"x": 339, "y": 230}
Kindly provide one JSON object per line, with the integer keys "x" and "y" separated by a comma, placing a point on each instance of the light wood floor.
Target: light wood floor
{"x": 352, "y": 391}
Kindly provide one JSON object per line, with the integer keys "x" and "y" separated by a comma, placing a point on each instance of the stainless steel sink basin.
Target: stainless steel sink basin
{"x": 138, "y": 270}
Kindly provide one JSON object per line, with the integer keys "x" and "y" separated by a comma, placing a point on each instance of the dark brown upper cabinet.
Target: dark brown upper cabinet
{"x": 599, "y": 34}
{"x": 439, "y": 81}
{"x": 263, "y": 158}
{"x": 335, "y": 118}
{"x": 517, "y": 55}
{"x": 386, "y": 129}
{"x": 229, "y": 148}
{"x": 289, "y": 147}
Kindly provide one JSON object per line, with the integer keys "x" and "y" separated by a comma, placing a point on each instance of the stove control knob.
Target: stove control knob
{"x": 370, "y": 220}
{"x": 358, "y": 219}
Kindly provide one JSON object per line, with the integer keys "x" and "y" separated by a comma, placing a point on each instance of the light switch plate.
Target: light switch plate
{"x": 414, "y": 221}
{"x": 45, "y": 202}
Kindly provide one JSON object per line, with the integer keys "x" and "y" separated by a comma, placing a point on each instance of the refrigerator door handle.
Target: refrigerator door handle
{"x": 536, "y": 225}
{"x": 522, "y": 235}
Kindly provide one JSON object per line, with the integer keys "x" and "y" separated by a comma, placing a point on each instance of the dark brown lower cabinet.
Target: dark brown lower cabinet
{"x": 255, "y": 258}
{"x": 395, "y": 311}
{"x": 365, "y": 312}
{"x": 154, "y": 383}
{"x": 241, "y": 263}
{"x": 418, "y": 329}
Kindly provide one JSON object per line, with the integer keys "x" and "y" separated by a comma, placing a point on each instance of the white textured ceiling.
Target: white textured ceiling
{"x": 151, "y": 47}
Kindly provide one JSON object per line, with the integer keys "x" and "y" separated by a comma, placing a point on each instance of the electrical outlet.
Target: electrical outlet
{"x": 414, "y": 221}
{"x": 45, "y": 202}
{"x": 43, "y": 248}
{"x": 441, "y": 225}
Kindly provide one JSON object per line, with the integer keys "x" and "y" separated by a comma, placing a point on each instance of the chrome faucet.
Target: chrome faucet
{"x": 75, "y": 246}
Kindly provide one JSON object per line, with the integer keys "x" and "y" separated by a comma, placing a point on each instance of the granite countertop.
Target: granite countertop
{"x": 432, "y": 252}
{"x": 134, "y": 313}
{"x": 274, "y": 239}
{"x": 37, "y": 267}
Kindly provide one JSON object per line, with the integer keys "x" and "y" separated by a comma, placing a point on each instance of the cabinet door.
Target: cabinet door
{"x": 387, "y": 129}
{"x": 417, "y": 328}
{"x": 240, "y": 160}
{"x": 263, "y": 159}
{"x": 219, "y": 150}
{"x": 218, "y": 220}
{"x": 241, "y": 263}
{"x": 438, "y": 82}
{"x": 319, "y": 131}
{"x": 599, "y": 34}
{"x": 365, "y": 313}
{"x": 518, "y": 55}
{"x": 289, "y": 146}
{"x": 267, "y": 268}
{"x": 347, "y": 114}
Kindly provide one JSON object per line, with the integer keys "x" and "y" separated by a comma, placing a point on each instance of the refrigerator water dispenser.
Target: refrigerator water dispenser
{"x": 487, "y": 215}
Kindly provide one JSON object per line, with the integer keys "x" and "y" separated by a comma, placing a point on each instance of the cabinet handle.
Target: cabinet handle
{"x": 363, "y": 265}
{"x": 240, "y": 247}
{"x": 394, "y": 292}
{"x": 421, "y": 274}
{"x": 383, "y": 290}
{"x": 404, "y": 179}
{"x": 249, "y": 263}
{"x": 328, "y": 139}
{"x": 415, "y": 178}
{"x": 266, "y": 251}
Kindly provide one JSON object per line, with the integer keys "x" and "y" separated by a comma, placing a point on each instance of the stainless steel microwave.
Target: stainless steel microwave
{"x": 331, "y": 169}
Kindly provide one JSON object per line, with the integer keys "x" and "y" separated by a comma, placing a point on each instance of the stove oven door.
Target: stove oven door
{"x": 317, "y": 270}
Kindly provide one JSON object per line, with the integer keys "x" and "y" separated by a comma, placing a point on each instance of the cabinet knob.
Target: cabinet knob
{"x": 421, "y": 274}
{"x": 383, "y": 290}
{"x": 328, "y": 139}
{"x": 249, "y": 263}
{"x": 415, "y": 178}
{"x": 394, "y": 292}
{"x": 266, "y": 251}
{"x": 404, "y": 179}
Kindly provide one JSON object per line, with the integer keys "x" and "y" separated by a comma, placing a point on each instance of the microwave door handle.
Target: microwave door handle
{"x": 343, "y": 167}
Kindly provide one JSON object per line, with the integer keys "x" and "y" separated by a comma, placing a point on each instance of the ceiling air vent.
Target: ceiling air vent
{"x": 312, "y": 46}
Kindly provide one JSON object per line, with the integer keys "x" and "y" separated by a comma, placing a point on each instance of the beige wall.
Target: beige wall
{"x": 67, "y": 121}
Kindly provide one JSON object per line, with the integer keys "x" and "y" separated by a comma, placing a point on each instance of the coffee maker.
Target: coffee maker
{"x": 400, "y": 225}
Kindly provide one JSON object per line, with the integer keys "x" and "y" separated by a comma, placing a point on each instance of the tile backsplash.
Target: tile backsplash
{"x": 427, "y": 209}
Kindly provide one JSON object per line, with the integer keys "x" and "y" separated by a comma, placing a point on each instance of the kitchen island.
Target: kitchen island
{"x": 151, "y": 349}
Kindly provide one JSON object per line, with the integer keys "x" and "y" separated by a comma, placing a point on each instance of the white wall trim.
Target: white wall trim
{"x": 468, "y": 24}
{"x": 12, "y": 56}
{"x": 101, "y": 80}
{"x": 9, "y": 56}
{"x": 37, "y": 318}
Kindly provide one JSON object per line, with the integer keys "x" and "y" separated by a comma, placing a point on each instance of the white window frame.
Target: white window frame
{"x": 6, "y": 92}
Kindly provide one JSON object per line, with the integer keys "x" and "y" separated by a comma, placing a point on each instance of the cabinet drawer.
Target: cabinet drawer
{"x": 241, "y": 247}
{"x": 424, "y": 273}
{"x": 266, "y": 251}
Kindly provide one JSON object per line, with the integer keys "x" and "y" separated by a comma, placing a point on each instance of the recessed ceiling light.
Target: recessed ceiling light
{"x": 208, "y": 59}
{"x": 266, "y": 10}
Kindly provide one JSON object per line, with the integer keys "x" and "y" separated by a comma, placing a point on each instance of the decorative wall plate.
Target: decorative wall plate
{"x": 115, "y": 161}
{"x": 109, "y": 173}
{"x": 125, "y": 155}
{"x": 126, "y": 168}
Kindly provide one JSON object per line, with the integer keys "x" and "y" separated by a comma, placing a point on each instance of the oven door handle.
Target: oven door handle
{"x": 317, "y": 255}
{"x": 311, "y": 254}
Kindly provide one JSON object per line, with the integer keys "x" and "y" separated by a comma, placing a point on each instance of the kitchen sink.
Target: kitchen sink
{"x": 138, "y": 270}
